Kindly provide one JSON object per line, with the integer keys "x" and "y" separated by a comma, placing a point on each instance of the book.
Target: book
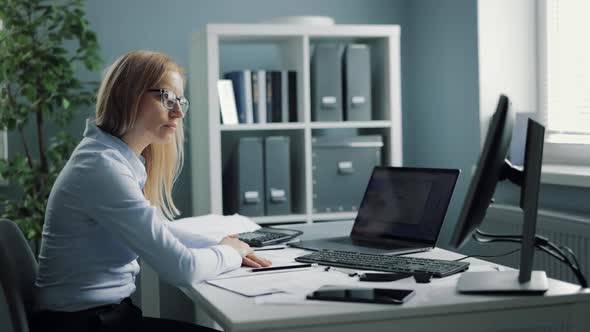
{"x": 255, "y": 96}
{"x": 259, "y": 95}
{"x": 285, "y": 95}
{"x": 268, "y": 96}
{"x": 242, "y": 83}
{"x": 248, "y": 96}
{"x": 237, "y": 79}
{"x": 292, "y": 95}
{"x": 227, "y": 102}
{"x": 276, "y": 99}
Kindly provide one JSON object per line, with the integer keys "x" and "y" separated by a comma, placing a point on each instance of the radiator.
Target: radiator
{"x": 561, "y": 229}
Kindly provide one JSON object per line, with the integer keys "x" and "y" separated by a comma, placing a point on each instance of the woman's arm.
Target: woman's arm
{"x": 191, "y": 240}
{"x": 123, "y": 210}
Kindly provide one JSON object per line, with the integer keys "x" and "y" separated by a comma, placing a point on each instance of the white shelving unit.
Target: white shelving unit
{"x": 293, "y": 45}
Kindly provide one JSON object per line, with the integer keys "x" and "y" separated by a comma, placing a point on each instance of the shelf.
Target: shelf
{"x": 312, "y": 125}
{"x": 264, "y": 32}
{"x": 262, "y": 126}
{"x": 293, "y": 218}
{"x": 351, "y": 124}
{"x": 220, "y": 48}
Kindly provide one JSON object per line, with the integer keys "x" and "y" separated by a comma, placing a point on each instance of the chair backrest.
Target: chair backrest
{"x": 18, "y": 270}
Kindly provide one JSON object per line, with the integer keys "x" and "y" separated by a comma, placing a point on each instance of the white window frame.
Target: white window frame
{"x": 508, "y": 39}
{"x": 560, "y": 148}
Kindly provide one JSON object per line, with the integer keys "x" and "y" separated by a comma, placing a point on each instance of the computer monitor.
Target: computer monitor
{"x": 492, "y": 168}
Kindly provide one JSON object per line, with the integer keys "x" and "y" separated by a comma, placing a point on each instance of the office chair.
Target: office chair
{"x": 18, "y": 269}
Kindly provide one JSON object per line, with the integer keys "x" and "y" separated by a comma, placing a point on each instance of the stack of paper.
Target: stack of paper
{"x": 297, "y": 282}
{"x": 214, "y": 226}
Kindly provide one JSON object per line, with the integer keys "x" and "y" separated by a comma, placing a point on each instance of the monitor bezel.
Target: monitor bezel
{"x": 357, "y": 235}
{"x": 481, "y": 189}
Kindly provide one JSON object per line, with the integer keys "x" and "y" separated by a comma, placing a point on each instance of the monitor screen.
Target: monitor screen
{"x": 487, "y": 173}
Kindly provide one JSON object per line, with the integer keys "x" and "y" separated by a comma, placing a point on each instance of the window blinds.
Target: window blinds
{"x": 566, "y": 104}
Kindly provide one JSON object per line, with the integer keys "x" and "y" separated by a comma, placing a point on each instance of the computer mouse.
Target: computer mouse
{"x": 422, "y": 278}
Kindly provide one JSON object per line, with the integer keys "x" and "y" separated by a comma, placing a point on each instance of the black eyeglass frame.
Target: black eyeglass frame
{"x": 167, "y": 95}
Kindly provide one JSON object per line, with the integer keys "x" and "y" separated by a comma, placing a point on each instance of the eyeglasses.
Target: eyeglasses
{"x": 169, "y": 99}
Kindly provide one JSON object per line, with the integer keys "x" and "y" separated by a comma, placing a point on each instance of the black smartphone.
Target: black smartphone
{"x": 367, "y": 295}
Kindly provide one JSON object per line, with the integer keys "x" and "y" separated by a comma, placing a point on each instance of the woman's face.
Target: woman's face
{"x": 155, "y": 123}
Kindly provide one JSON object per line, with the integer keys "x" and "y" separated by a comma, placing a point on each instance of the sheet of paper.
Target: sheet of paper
{"x": 285, "y": 298}
{"x": 215, "y": 226}
{"x": 277, "y": 257}
{"x": 294, "y": 282}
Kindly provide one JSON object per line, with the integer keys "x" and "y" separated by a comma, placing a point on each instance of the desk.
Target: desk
{"x": 437, "y": 306}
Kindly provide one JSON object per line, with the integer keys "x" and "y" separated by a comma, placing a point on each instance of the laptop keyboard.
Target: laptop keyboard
{"x": 400, "y": 264}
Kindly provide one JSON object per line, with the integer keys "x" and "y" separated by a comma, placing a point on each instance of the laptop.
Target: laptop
{"x": 402, "y": 212}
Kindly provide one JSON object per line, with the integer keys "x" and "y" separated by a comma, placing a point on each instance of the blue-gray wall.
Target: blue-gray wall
{"x": 439, "y": 63}
{"x": 439, "y": 60}
{"x": 441, "y": 91}
{"x": 165, "y": 26}
{"x": 439, "y": 72}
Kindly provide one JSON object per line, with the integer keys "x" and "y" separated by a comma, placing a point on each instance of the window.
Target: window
{"x": 564, "y": 85}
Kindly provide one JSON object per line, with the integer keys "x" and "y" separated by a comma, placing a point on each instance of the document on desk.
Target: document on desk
{"x": 215, "y": 226}
{"x": 277, "y": 257}
{"x": 293, "y": 282}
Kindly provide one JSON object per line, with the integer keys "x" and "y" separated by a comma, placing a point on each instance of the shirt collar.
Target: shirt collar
{"x": 136, "y": 163}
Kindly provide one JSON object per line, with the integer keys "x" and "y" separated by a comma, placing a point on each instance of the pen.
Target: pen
{"x": 265, "y": 249}
{"x": 350, "y": 274}
{"x": 285, "y": 267}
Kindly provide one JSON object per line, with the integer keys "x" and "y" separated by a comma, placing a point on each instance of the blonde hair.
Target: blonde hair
{"x": 119, "y": 95}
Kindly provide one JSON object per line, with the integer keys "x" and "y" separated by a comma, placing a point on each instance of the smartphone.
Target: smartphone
{"x": 367, "y": 295}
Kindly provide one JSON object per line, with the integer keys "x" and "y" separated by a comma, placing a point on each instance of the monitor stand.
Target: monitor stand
{"x": 505, "y": 282}
{"x": 525, "y": 280}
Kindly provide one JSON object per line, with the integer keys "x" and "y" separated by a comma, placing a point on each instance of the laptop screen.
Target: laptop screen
{"x": 407, "y": 204}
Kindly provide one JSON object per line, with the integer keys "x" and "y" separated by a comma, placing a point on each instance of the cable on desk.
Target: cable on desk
{"x": 488, "y": 256}
{"x": 541, "y": 243}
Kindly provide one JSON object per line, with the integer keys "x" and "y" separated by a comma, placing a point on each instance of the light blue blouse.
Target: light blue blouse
{"x": 98, "y": 222}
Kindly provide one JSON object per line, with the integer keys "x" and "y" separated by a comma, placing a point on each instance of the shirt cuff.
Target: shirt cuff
{"x": 234, "y": 259}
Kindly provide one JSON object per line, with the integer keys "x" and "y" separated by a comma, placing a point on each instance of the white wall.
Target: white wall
{"x": 507, "y": 56}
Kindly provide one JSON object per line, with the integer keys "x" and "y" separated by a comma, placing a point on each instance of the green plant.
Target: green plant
{"x": 41, "y": 45}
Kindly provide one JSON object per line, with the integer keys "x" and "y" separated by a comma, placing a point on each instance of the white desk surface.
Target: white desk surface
{"x": 437, "y": 306}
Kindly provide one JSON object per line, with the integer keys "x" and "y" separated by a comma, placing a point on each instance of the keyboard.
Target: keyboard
{"x": 268, "y": 236}
{"x": 399, "y": 264}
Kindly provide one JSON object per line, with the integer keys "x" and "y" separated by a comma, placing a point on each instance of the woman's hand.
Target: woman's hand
{"x": 252, "y": 260}
{"x": 248, "y": 256}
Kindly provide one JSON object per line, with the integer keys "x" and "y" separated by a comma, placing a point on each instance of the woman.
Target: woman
{"x": 108, "y": 206}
